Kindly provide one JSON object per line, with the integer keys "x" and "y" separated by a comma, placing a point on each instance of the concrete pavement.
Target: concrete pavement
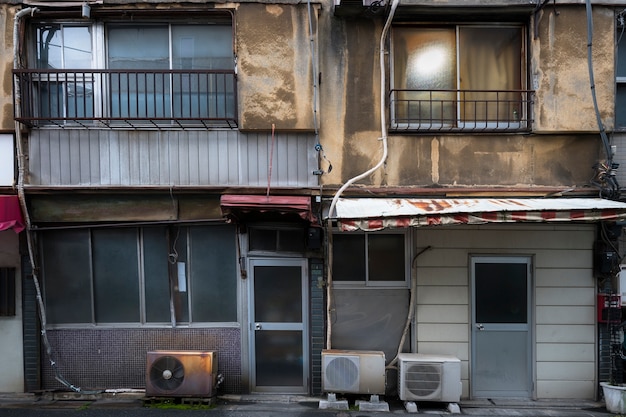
{"x": 292, "y": 405}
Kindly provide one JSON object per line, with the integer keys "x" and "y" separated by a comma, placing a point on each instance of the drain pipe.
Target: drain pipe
{"x": 383, "y": 124}
{"x": 21, "y": 161}
{"x": 383, "y": 119}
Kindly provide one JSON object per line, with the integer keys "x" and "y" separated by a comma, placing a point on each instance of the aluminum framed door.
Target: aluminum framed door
{"x": 279, "y": 325}
{"x": 501, "y": 327}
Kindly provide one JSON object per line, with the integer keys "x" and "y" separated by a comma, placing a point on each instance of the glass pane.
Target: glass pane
{"x": 116, "y": 275}
{"x": 279, "y": 360}
{"x": 277, "y": 294}
{"x": 620, "y": 106}
{"x": 262, "y": 239}
{"x": 157, "y": 283}
{"x": 67, "y": 277}
{"x": 621, "y": 52}
{"x": 213, "y": 274}
{"x": 49, "y": 47}
{"x": 77, "y": 47}
{"x": 348, "y": 257}
{"x": 501, "y": 293}
{"x": 177, "y": 237}
{"x": 489, "y": 59}
{"x": 291, "y": 240}
{"x": 386, "y": 258}
{"x": 202, "y": 47}
{"x": 425, "y": 59}
{"x": 139, "y": 48}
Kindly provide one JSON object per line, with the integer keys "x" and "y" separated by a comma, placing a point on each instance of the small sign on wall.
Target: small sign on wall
{"x": 7, "y": 160}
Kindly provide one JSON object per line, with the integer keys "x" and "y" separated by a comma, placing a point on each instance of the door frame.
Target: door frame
{"x": 503, "y": 258}
{"x": 279, "y": 261}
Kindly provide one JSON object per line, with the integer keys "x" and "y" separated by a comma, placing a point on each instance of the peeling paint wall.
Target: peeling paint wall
{"x": 560, "y": 70}
{"x": 274, "y": 66}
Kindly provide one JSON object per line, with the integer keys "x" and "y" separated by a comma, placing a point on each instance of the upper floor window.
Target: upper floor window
{"x": 459, "y": 77}
{"x": 122, "y": 74}
{"x": 620, "y": 77}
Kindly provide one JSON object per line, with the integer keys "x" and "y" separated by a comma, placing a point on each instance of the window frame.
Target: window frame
{"x": 178, "y": 245}
{"x": 460, "y": 123}
{"x": 215, "y": 107}
{"x": 367, "y": 283}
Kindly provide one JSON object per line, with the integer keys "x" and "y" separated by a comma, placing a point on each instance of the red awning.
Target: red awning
{"x": 11, "y": 213}
{"x": 235, "y": 204}
{"x": 372, "y": 214}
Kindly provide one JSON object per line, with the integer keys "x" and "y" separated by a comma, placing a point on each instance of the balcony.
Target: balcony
{"x": 461, "y": 111}
{"x": 122, "y": 99}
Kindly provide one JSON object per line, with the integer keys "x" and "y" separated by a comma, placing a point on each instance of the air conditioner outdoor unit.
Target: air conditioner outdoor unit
{"x": 186, "y": 373}
{"x": 353, "y": 371}
{"x": 425, "y": 377}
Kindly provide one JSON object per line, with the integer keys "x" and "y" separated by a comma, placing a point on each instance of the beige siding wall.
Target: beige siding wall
{"x": 563, "y": 304}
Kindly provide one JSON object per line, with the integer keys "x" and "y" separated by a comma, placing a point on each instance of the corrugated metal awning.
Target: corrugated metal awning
{"x": 11, "y": 213}
{"x": 234, "y": 204}
{"x": 370, "y": 214}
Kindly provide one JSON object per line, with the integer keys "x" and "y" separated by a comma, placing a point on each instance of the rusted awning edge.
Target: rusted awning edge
{"x": 371, "y": 214}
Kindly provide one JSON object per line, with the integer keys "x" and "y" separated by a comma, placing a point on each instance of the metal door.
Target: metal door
{"x": 501, "y": 337}
{"x": 278, "y": 325}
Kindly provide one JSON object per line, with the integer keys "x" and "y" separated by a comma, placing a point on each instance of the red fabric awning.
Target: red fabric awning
{"x": 370, "y": 214}
{"x": 11, "y": 213}
{"x": 236, "y": 203}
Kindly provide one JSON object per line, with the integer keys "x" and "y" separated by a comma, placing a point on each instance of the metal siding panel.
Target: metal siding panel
{"x": 54, "y": 157}
{"x": 565, "y": 296}
{"x": 73, "y": 163}
{"x": 564, "y": 315}
{"x": 244, "y": 151}
{"x": 83, "y": 156}
{"x": 94, "y": 159}
{"x": 114, "y": 160}
{"x": 105, "y": 157}
{"x": 232, "y": 152}
{"x": 203, "y": 158}
{"x": 184, "y": 154}
{"x": 564, "y": 276}
{"x": 566, "y": 389}
{"x": 566, "y": 333}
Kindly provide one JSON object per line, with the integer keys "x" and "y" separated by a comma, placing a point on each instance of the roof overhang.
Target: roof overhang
{"x": 238, "y": 206}
{"x": 370, "y": 214}
{"x": 11, "y": 214}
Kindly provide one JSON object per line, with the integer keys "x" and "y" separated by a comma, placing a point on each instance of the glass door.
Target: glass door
{"x": 501, "y": 336}
{"x": 278, "y": 321}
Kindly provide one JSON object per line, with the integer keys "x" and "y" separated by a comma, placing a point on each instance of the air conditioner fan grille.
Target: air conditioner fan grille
{"x": 167, "y": 373}
{"x": 342, "y": 372}
{"x": 423, "y": 379}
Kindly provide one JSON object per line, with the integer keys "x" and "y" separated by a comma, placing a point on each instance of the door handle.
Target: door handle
{"x": 257, "y": 326}
{"x": 480, "y": 327}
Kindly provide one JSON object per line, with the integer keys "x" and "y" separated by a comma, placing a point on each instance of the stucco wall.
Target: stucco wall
{"x": 563, "y": 299}
{"x": 274, "y": 59}
{"x": 6, "y": 66}
{"x": 560, "y": 70}
{"x": 12, "y": 364}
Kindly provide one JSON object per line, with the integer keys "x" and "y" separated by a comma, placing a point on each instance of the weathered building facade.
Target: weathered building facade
{"x": 267, "y": 180}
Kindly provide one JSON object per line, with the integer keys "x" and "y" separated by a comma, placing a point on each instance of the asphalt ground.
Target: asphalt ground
{"x": 135, "y": 403}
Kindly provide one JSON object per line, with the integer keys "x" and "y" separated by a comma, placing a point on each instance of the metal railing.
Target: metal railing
{"x": 461, "y": 110}
{"x": 127, "y": 98}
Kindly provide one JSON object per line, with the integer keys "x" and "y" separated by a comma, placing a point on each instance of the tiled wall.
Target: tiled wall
{"x": 116, "y": 358}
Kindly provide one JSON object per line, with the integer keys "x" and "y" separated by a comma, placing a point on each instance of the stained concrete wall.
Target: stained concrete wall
{"x": 560, "y": 151}
{"x": 274, "y": 60}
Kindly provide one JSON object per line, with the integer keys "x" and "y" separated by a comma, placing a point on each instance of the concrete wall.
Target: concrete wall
{"x": 563, "y": 299}
{"x": 562, "y": 155}
{"x": 12, "y": 363}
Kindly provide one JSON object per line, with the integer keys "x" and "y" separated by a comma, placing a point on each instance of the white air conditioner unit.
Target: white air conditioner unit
{"x": 353, "y": 371}
{"x": 425, "y": 377}
{"x": 187, "y": 373}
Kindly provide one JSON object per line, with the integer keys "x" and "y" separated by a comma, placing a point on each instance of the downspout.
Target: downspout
{"x": 383, "y": 127}
{"x": 383, "y": 119}
{"x": 21, "y": 161}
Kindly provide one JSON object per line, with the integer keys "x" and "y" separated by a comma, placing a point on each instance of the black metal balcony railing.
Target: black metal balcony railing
{"x": 461, "y": 110}
{"x": 127, "y": 98}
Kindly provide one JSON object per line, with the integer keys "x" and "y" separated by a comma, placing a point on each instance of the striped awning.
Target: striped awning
{"x": 11, "y": 214}
{"x": 370, "y": 214}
